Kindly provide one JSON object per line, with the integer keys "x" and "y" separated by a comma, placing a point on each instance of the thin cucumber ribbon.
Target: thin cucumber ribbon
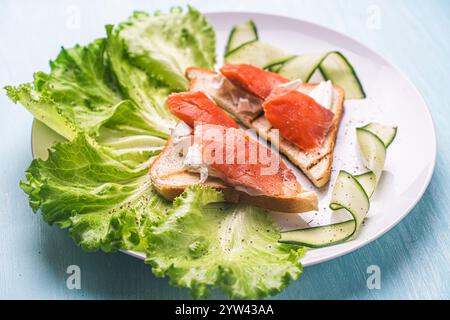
{"x": 332, "y": 65}
{"x": 350, "y": 192}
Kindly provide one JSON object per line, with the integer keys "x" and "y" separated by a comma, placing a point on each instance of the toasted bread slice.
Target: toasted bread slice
{"x": 170, "y": 178}
{"x": 315, "y": 165}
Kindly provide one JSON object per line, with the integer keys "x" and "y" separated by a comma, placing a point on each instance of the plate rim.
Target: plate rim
{"x": 387, "y": 61}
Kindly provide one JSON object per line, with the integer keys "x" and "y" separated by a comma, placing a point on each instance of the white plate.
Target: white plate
{"x": 392, "y": 99}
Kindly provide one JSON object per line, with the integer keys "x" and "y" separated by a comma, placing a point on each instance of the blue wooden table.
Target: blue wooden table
{"x": 414, "y": 257}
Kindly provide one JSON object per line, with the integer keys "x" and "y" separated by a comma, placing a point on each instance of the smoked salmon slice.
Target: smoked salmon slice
{"x": 298, "y": 117}
{"x": 192, "y": 107}
{"x": 257, "y": 81}
{"x": 244, "y": 162}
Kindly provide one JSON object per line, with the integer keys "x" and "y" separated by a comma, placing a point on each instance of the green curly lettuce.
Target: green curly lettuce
{"x": 204, "y": 243}
{"x": 165, "y": 44}
{"x": 105, "y": 203}
{"x": 137, "y": 86}
{"x": 81, "y": 82}
{"x": 130, "y": 134}
{"x": 43, "y": 108}
{"x": 80, "y": 89}
{"x": 129, "y": 130}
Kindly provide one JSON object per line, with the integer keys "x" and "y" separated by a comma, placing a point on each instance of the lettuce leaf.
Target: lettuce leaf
{"x": 139, "y": 87}
{"x": 165, "y": 44}
{"x": 129, "y": 130}
{"x": 235, "y": 248}
{"x": 105, "y": 203}
{"x": 43, "y": 108}
{"x": 80, "y": 88}
{"x": 81, "y": 83}
{"x": 130, "y": 134}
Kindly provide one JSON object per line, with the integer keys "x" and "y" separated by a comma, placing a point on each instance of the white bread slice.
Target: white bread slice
{"x": 170, "y": 178}
{"x": 315, "y": 165}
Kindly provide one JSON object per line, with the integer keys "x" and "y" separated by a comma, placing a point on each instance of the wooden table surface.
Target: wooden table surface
{"x": 414, "y": 257}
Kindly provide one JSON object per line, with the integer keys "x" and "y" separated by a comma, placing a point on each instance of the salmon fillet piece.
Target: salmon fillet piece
{"x": 242, "y": 161}
{"x": 298, "y": 117}
{"x": 257, "y": 81}
{"x": 192, "y": 107}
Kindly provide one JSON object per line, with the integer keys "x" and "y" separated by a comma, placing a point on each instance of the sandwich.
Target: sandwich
{"x": 300, "y": 119}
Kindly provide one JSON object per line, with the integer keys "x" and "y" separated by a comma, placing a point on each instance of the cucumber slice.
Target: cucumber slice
{"x": 241, "y": 34}
{"x": 259, "y": 54}
{"x": 348, "y": 194}
{"x": 368, "y": 181}
{"x": 373, "y": 151}
{"x": 385, "y": 133}
{"x": 318, "y": 237}
{"x": 301, "y": 67}
{"x": 335, "y": 67}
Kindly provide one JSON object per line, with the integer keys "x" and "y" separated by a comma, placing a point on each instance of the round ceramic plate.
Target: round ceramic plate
{"x": 391, "y": 99}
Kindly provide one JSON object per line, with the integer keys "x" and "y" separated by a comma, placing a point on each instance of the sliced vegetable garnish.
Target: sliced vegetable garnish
{"x": 259, "y": 54}
{"x": 385, "y": 133}
{"x": 301, "y": 67}
{"x": 337, "y": 68}
{"x": 350, "y": 192}
{"x": 332, "y": 65}
{"x": 373, "y": 152}
{"x": 367, "y": 181}
{"x": 241, "y": 34}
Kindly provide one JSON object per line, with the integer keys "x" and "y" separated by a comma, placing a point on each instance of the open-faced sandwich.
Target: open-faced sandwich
{"x": 208, "y": 147}
{"x": 306, "y": 116}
